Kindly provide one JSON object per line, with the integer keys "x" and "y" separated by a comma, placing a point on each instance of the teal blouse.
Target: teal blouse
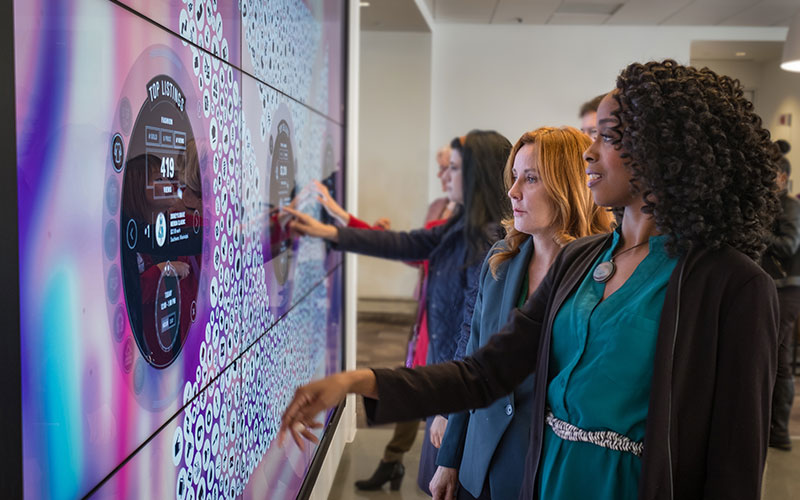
{"x": 601, "y": 367}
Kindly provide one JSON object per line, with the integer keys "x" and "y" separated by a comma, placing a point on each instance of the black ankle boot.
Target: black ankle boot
{"x": 386, "y": 471}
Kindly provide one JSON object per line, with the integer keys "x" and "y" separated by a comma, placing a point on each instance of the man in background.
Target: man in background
{"x": 782, "y": 262}
{"x": 588, "y": 115}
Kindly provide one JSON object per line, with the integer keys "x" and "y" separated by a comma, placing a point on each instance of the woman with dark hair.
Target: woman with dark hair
{"x": 653, "y": 348}
{"x": 454, "y": 250}
{"x": 483, "y": 452}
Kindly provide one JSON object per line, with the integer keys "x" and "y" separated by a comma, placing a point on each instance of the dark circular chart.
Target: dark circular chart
{"x": 281, "y": 194}
{"x": 161, "y": 223}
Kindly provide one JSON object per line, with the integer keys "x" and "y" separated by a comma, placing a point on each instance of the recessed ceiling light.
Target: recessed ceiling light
{"x": 364, "y": 4}
{"x": 793, "y": 66}
{"x": 741, "y": 54}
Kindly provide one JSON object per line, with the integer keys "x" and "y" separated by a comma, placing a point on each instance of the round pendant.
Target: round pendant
{"x": 604, "y": 271}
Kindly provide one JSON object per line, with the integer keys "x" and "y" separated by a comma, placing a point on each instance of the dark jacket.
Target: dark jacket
{"x": 489, "y": 444}
{"x": 449, "y": 283}
{"x": 715, "y": 361}
{"x": 782, "y": 258}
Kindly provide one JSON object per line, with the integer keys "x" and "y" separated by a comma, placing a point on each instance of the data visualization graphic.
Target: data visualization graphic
{"x": 166, "y": 311}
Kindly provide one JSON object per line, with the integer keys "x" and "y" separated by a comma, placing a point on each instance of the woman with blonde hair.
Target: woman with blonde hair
{"x": 545, "y": 175}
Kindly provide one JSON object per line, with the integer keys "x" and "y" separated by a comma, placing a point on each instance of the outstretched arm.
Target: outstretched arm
{"x": 309, "y": 226}
{"x": 323, "y": 196}
{"x": 317, "y": 396}
{"x": 400, "y": 245}
{"x": 493, "y": 371}
{"x": 455, "y": 386}
{"x": 443, "y": 388}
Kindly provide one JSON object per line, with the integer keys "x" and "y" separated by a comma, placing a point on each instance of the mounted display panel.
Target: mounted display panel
{"x": 166, "y": 313}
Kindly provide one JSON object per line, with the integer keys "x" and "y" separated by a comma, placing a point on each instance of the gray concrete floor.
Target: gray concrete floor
{"x": 360, "y": 459}
{"x": 383, "y": 336}
{"x": 782, "y": 476}
{"x": 382, "y": 343}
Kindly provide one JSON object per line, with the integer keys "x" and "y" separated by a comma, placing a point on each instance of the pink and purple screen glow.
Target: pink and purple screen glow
{"x": 166, "y": 313}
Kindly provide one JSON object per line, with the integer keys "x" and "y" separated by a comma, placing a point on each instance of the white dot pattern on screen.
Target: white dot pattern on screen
{"x": 227, "y": 429}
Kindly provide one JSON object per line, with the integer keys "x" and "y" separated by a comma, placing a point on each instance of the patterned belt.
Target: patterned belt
{"x": 607, "y": 439}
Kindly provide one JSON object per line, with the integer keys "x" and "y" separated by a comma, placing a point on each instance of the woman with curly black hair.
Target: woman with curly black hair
{"x": 654, "y": 347}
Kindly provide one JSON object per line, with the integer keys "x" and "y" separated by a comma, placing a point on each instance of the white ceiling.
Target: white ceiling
{"x": 384, "y": 13}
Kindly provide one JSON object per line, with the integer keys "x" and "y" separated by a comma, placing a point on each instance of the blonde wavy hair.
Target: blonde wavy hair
{"x": 562, "y": 170}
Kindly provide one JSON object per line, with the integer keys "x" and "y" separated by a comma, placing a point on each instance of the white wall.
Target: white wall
{"x": 776, "y": 92}
{"x": 394, "y": 150}
{"x": 749, "y": 73}
{"x": 516, "y": 78}
{"x": 418, "y": 91}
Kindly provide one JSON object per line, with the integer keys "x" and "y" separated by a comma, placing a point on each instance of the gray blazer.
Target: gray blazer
{"x": 491, "y": 443}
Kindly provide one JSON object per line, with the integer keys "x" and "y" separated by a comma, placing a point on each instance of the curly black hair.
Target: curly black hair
{"x": 699, "y": 156}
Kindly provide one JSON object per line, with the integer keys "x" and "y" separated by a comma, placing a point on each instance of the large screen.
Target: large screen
{"x": 166, "y": 313}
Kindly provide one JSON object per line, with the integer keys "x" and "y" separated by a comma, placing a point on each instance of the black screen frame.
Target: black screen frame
{"x": 10, "y": 357}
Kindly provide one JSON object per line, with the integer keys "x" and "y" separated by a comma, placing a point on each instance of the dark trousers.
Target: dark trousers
{"x": 402, "y": 440}
{"x": 427, "y": 460}
{"x": 783, "y": 393}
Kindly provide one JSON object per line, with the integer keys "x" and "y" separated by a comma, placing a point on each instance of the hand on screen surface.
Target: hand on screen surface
{"x": 444, "y": 483}
{"x": 325, "y": 199}
{"x": 438, "y": 427}
{"x": 306, "y": 225}
{"x": 310, "y": 399}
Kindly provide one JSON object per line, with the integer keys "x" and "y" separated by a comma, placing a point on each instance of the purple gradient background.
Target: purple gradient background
{"x": 82, "y": 412}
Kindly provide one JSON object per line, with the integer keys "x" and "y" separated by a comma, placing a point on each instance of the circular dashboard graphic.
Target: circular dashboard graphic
{"x": 161, "y": 227}
{"x": 281, "y": 194}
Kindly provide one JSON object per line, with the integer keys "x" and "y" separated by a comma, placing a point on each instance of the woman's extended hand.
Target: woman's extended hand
{"x": 310, "y": 399}
{"x": 181, "y": 269}
{"x": 309, "y": 226}
{"x": 444, "y": 483}
{"x": 329, "y": 204}
{"x": 383, "y": 223}
{"x": 438, "y": 427}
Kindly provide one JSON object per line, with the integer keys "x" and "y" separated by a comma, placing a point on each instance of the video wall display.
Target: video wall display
{"x": 282, "y": 45}
{"x": 166, "y": 311}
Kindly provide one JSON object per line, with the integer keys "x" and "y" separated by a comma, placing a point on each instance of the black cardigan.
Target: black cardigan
{"x": 712, "y": 379}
